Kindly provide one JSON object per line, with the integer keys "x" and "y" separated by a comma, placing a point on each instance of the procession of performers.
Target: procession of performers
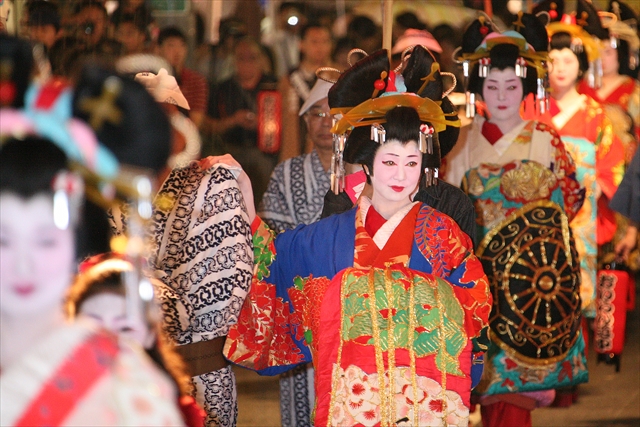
{"x": 406, "y": 269}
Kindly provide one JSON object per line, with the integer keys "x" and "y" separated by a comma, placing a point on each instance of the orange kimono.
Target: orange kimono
{"x": 588, "y": 136}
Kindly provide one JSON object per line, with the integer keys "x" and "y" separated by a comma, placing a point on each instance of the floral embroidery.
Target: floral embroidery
{"x": 357, "y": 400}
{"x": 528, "y": 182}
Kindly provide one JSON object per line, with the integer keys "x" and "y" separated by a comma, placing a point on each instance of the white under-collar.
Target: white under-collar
{"x": 384, "y": 233}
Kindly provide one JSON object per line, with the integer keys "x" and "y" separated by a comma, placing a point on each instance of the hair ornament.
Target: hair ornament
{"x": 352, "y": 51}
{"x": 328, "y": 74}
{"x": 379, "y": 84}
{"x": 470, "y": 104}
{"x": 103, "y": 108}
{"x": 337, "y": 163}
{"x": 484, "y": 65}
{"x": 453, "y": 86}
{"x": 68, "y": 189}
{"x": 378, "y": 133}
{"x": 622, "y": 29}
{"x": 431, "y": 77}
{"x": 373, "y": 111}
{"x": 521, "y": 67}
{"x": 425, "y": 145}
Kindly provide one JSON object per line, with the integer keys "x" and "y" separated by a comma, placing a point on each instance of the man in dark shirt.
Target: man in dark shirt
{"x": 233, "y": 109}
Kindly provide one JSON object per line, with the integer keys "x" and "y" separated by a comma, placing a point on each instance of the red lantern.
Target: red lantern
{"x": 615, "y": 294}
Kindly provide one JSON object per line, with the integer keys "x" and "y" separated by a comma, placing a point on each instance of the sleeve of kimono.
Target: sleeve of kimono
{"x": 610, "y": 157}
{"x": 451, "y": 253}
{"x": 565, "y": 170}
{"x": 269, "y": 335}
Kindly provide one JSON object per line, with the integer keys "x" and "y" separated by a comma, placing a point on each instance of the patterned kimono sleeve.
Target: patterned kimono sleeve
{"x": 610, "y": 156}
{"x": 565, "y": 170}
{"x": 464, "y": 271}
{"x": 268, "y": 337}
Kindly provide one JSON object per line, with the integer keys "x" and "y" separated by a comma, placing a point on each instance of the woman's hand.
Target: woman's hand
{"x": 241, "y": 176}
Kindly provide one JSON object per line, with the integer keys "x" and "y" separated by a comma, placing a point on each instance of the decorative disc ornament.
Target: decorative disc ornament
{"x": 532, "y": 266}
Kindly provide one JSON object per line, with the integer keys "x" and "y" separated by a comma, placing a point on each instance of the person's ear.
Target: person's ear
{"x": 366, "y": 170}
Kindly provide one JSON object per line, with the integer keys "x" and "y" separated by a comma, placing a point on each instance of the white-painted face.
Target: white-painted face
{"x": 502, "y": 93}
{"x": 564, "y": 70}
{"x": 110, "y": 311}
{"x": 396, "y": 173}
{"x": 37, "y": 259}
{"x": 609, "y": 57}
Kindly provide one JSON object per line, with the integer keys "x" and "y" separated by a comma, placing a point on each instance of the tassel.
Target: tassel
{"x": 465, "y": 69}
{"x": 426, "y": 139}
{"x": 470, "y": 104}
{"x": 541, "y": 95}
{"x": 432, "y": 164}
{"x": 378, "y": 133}
{"x": 521, "y": 68}
{"x": 594, "y": 74}
{"x": 337, "y": 164}
{"x": 483, "y": 68}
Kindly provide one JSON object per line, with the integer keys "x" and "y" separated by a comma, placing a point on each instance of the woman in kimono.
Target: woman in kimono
{"x": 54, "y": 373}
{"x": 620, "y": 67}
{"x": 588, "y": 136}
{"x": 520, "y": 178}
{"x": 384, "y": 298}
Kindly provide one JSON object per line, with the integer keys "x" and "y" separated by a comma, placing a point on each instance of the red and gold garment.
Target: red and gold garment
{"x": 388, "y": 318}
{"x": 627, "y": 97}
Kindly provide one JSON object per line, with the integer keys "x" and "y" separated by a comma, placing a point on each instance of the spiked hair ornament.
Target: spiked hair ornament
{"x": 622, "y": 25}
{"x": 476, "y": 52}
{"x": 387, "y": 92}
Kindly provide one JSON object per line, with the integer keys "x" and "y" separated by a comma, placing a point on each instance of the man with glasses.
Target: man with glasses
{"x": 295, "y": 195}
{"x": 297, "y": 187}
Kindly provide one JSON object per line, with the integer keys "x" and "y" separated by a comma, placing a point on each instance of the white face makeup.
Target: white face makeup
{"x": 502, "y": 92}
{"x": 609, "y": 57}
{"x": 109, "y": 310}
{"x": 396, "y": 174}
{"x": 37, "y": 258}
{"x": 564, "y": 70}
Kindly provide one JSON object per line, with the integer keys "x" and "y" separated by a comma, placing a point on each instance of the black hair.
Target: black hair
{"x": 362, "y": 27}
{"x": 41, "y": 13}
{"x": 402, "y": 124}
{"x": 137, "y": 19}
{"x": 291, "y": 5}
{"x": 503, "y": 56}
{"x": 623, "y": 59}
{"x": 85, "y": 4}
{"x": 171, "y": 32}
{"x": 562, "y": 40}
{"x": 410, "y": 20}
{"x": 15, "y": 54}
{"x": 143, "y": 136}
{"x": 28, "y": 167}
{"x": 313, "y": 25}
{"x": 356, "y": 85}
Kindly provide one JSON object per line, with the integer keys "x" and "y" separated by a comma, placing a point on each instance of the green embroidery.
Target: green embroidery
{"x": 262, "y": 255}
{"x": 430, "y": 299}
